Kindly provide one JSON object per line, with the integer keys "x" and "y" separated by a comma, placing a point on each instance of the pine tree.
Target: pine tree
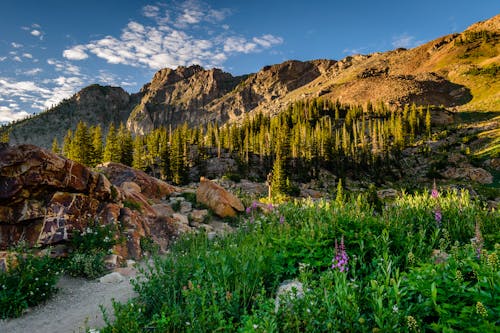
{"x": 55, "y": 146}
{"x": 339, "y": 199}
{"x": 126, "y": 145}
{"x": 278, "y": 183}
{"x": 96, "y": 137}
{"x": 428, "y": 122}
{"x": 139, "y": 154}
{"x": 112, "y": 151}
{"x": 67, "y": 146}
{"x": 178, "y": 165}
{"x": 5, "y": 138}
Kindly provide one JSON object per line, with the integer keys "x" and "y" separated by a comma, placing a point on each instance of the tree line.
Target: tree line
{"x": 294, "y": 145}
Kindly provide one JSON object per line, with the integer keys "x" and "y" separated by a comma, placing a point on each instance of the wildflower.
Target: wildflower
{"x": 254, "y": 205}
{"x": 255, "y": 326}
{"x": 248, "y": 210}
{"x": 458, "y": 276}
{"x": 341, "y": 259}
{"x": 434, "y": 193}
{"x": 481, "y": 310}
{"x": 282, "y": 219}
{"x": 395, "y": 308}
{"x": 493, "y": 260}
{"x": 411, "y": 259}
{"x": 270, "y": 207}
{"x": 412, "y": 324}
{"x": 438, "y": 217}
{"x": 477, "y": 241}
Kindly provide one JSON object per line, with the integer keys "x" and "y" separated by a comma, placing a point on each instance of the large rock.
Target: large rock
{"x": 218, "y": 199}
{"x": 151, "y": 187}
{"x": 45, "y": 197}
{"x": 475, "y": 174}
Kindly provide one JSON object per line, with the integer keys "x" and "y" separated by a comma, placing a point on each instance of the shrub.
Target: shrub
{"x": 29, "y": 282}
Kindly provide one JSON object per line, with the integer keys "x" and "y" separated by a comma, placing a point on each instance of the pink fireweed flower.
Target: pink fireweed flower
{"x": 434, "y": 192}
{"x": 341, "y": 259}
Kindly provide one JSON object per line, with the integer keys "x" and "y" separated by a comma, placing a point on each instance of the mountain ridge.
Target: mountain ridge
{"x": 458, "y": 71}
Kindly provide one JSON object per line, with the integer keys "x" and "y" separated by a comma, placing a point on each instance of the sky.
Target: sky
{"x": 51, "y": 49}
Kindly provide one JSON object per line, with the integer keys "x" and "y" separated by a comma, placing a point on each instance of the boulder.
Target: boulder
{"x": 45, "y": 197}
{"x": 480, "y": 175}
{"x": 151, "y": 187}
{"x": 288, "y": 289}
{"x": 222, "y": 202}
{"x": 475, "y": 174}
{"x": 199, "y": 215}
{"x": 113, "y": 277}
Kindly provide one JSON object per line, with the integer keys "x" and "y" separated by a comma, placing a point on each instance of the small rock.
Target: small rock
{"x": 199, "y": 215}
{"x": 389, "y": 193}
{"x": 211, "y": 235}
{"x": 288, "y": 288}
{"x": 111, "y": 261}
{"x": 186, "y": 207}
{"x": 130, "y": 263}
{"x": 113, "y": 277}
{"x": 181, "y": 219}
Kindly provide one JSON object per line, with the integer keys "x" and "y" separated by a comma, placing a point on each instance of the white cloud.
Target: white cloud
{"x": 36, "y": 33}
{"x": 33, "y": 71}
{"x": 65, "y": 67}
{"x": 16, "y": 45}
{"x": 406, "y": 41}
{"x": 2, "y": 58}
{"x": 151, "y": 11}
{"x": 75, "y": 53}
{"x": 7, "y": 114}
{"x": 171, "y": 42}
{"x": 16, "y": 58}
{"x": 28, "y": 55}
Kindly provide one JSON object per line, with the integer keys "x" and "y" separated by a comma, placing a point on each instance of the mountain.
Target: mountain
{"x": 94, "y": 105}
{"x": 459, "y": 71}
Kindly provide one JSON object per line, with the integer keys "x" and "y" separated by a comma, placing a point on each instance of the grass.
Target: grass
{"x": 406, "y": 271}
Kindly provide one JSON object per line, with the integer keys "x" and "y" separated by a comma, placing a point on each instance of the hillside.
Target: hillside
{"x": 458, "y": 71}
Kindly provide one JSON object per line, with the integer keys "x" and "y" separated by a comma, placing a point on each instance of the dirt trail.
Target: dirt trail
{"x": 74, "y": 308}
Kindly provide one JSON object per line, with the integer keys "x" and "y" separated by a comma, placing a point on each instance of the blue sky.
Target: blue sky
{"x": 51, "y": 49}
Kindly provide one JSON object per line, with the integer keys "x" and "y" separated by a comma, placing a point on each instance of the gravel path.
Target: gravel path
{"x": 74, "y": 308}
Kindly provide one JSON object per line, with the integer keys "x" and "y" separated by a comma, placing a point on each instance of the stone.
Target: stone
{"x": 111, "y": 261}
{"x": 186, "y": 207}
{"x": 199, "y": 215}
{"x": 162, "y": 209}
{"x": 389, "y": 193}
{"x": 113, "y": 277}
{"x": 150, "y": 187}
{"x": 222, "y": 202}
{"x": 288, "y": 289}
{"x": 480, "y": 175}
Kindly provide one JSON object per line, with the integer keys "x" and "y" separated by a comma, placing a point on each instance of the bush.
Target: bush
{"x": 87, "y": 265}
{"x": 29, "y": 282}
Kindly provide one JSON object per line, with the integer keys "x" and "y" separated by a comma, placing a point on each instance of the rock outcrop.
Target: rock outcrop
{"x": 45, "y": 197}
{"x": 222, "y": 202}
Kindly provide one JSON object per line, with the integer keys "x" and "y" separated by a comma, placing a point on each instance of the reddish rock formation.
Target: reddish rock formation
{"x": 45, "y": 197}
{"x": 218, "y": 199}
{"x": 151, "y": 187}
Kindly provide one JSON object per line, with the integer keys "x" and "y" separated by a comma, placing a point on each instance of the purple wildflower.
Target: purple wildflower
{"x": 477, "y": 240}
{"x": 341, "y": 259}
{"x": 438, "y": 217}
{"x": 248, "y": 210}
{"x": 270, "y": 207}
{"x": 254, "y": 205}
{"x": 282, "y": 219}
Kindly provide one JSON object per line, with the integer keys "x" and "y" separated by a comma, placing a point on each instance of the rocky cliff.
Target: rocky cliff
{"x": 459, "y": 71}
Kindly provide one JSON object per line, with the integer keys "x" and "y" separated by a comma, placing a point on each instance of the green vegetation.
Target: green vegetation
{"x": 306, "y": 137}
{"x": 411, "y": 267}
{"x": 29, "y": 281}
{"x": 90, "y": 246}
{"x": 492, "y": 70}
